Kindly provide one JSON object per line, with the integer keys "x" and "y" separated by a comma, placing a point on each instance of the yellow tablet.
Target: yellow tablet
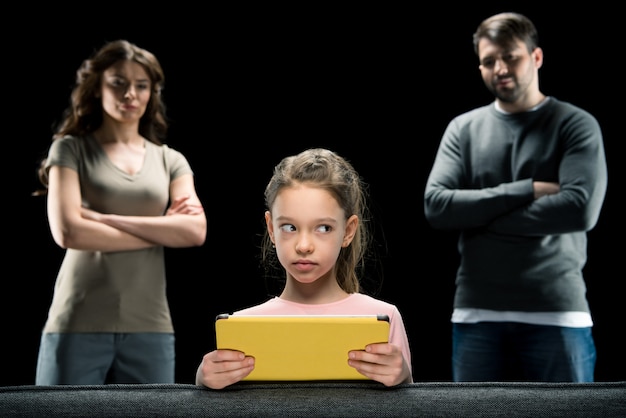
{"x": 300, "y": 347}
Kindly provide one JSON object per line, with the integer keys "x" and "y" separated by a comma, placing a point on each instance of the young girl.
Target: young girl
{"x": 316, "y": 227}
{"x": 109, "y": 180}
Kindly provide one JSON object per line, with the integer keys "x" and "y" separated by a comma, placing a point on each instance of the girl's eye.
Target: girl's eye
{"x": 287, "y": 228}
{"x": 324, "y": 228}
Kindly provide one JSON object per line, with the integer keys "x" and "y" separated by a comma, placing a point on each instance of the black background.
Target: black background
{"x": 248, "y": 85}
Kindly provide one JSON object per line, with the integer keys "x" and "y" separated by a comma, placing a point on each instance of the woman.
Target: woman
{"x": 109, "y": 180}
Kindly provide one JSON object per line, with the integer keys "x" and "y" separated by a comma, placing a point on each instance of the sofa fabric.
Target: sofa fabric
{"x": 319, "y": 399}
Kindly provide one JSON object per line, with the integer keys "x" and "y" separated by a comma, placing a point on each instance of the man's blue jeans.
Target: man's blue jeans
{"x": 511, "y": 351}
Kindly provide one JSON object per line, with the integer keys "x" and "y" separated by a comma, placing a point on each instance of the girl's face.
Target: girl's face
{"x": 308, "y": 228}
{"x": 125, "y": 91}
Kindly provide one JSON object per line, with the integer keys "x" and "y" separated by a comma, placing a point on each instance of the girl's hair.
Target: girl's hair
{"x": 325, "y": 169}
{"x": 505, "y": 28}
{"x": 84, "y": 113}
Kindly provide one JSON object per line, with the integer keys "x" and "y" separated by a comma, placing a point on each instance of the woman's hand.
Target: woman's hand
{"x": 180, "y": 205}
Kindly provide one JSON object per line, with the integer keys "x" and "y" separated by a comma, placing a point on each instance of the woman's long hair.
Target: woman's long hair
{"x": 84, "y": 114}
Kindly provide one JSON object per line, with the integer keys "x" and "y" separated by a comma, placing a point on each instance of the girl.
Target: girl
{"x": 109, "y": 180}
{"x": 315, "y": 227}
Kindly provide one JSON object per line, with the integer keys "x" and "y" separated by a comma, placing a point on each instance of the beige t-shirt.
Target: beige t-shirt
{"x": 122, "y": 291}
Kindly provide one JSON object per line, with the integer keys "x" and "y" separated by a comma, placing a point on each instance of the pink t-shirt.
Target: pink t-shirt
{"x": 354, "y": 304}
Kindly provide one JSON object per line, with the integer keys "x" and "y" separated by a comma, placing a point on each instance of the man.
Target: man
{"x": 523, "y": 179}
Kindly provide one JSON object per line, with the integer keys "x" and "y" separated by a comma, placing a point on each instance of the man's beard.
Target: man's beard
{"x": 505, "y": 95}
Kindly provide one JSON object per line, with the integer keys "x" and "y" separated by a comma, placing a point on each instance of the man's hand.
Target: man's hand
{"x": 544, "y": 188}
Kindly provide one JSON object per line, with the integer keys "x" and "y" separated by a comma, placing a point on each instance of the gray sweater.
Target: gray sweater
{"x": 518, "y": 253}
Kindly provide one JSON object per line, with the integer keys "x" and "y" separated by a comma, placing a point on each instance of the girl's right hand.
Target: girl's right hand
{"x": 221, "y": 368}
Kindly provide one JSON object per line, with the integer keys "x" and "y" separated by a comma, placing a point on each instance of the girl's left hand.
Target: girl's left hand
{"x": 382, "y": 362}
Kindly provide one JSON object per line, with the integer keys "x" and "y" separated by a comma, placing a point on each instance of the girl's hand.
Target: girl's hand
{"x": 382, "y": 362}
{"x": 221, "y": 368}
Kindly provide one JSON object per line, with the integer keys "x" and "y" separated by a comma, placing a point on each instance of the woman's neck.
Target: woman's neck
{"x": 118, "y": 132}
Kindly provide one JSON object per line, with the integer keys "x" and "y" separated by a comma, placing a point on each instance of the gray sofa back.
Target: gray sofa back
{"x": 319, "y": 399}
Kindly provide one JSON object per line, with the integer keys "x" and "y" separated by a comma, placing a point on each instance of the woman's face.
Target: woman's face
{"x": 125, "y": 91}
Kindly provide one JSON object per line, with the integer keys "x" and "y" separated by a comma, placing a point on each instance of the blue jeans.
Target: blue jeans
{"x": 100, "y": 358}
{"x": 511, "y": 351}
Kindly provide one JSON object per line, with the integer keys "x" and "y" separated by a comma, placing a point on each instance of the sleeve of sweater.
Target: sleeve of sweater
{"x": 582, "y": 178}
{"x": 454, "y": 198}
{"x": 479, "y": 183}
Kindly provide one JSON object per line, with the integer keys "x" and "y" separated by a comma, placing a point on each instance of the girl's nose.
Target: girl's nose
{"x": 304, "y": 245}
